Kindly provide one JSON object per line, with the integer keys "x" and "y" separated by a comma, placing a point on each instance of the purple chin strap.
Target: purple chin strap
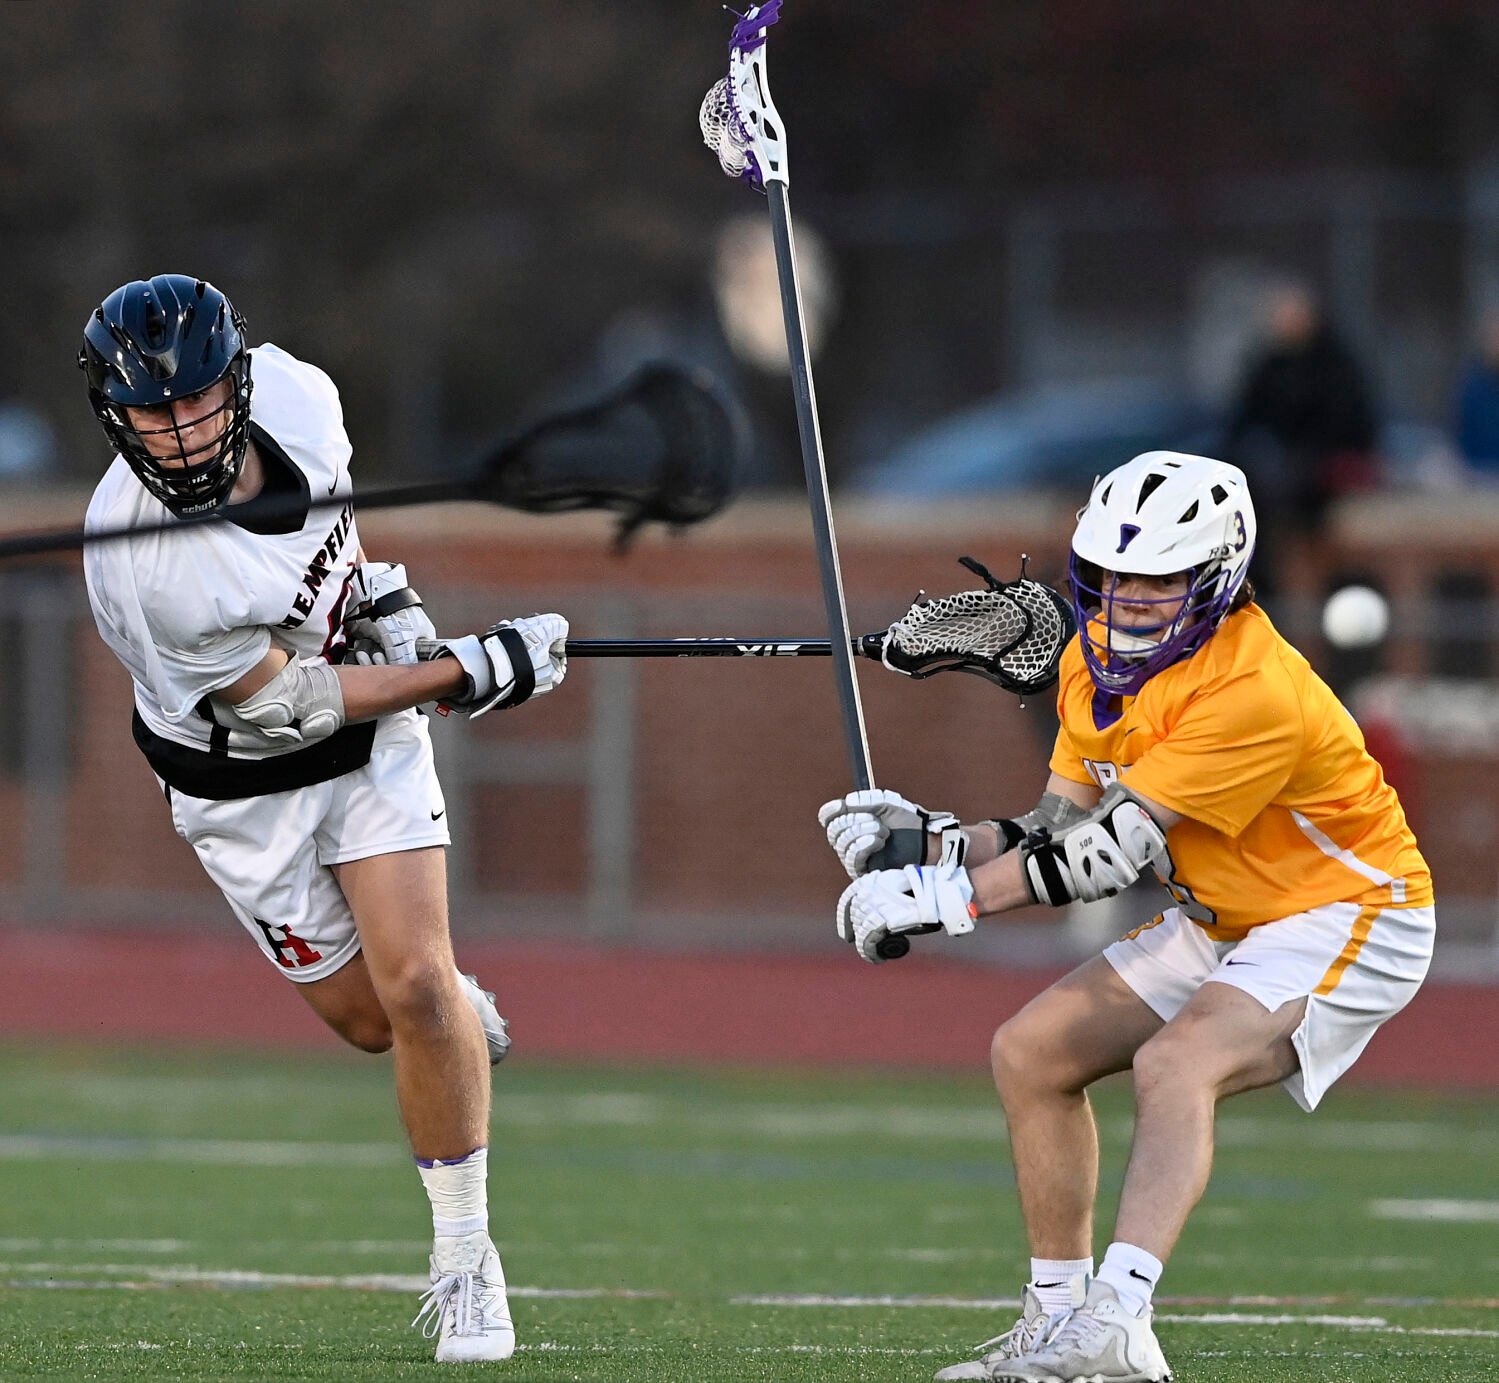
{"x": 1187, "y": 623}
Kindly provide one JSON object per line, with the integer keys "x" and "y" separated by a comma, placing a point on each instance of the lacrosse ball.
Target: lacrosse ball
{"x": 1355, "y": 617}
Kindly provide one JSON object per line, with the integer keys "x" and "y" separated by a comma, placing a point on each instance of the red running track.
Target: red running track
{"x": 576, "y": 1001}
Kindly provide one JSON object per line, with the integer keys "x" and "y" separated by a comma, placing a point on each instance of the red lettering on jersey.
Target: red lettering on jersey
{"x": 335, "y": 637}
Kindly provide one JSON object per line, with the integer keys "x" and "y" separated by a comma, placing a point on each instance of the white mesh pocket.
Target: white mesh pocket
{"x": 1013, "y": 634}
{"x": 722, "y": 130}
{"x": 988, "y": 623}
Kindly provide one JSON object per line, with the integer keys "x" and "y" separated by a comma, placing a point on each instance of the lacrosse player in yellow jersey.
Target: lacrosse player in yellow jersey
{"x": 1197, "y": 743}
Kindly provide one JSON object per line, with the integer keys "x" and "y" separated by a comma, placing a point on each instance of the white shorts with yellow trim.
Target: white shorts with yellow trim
{"x": 271, "y": 856}
{"x": 1356, "y": 967}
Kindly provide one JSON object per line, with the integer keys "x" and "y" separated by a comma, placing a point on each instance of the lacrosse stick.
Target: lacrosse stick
{"x": 662, "y": 446}
{"x": 1012, "y": 633}
{"x": 741, "y": 125}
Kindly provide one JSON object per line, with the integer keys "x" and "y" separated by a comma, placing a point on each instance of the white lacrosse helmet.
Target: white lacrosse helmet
{"x": 1162, "y": 513}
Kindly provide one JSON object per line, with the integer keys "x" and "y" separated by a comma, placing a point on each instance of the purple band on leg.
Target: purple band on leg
{"x": 449, "y": 1161}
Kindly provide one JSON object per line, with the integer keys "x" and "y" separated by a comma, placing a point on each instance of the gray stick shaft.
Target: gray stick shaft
{"x": 817, "y": 487}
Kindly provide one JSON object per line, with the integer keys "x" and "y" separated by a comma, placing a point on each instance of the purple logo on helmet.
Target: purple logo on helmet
{"x": 1128, "y": 532}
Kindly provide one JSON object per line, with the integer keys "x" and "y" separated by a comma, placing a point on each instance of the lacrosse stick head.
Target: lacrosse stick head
{"x": 664, "y": 446}
{"x": 738, "y": 119}
{"x": 1012, "y": 633}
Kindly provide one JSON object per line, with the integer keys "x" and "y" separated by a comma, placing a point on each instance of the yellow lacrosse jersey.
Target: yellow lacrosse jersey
{"x": 1283, "y": 808}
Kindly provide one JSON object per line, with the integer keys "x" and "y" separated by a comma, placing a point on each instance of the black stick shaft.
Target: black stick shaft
{"x": 864, "y": 646}
{"x": 390, "y": 497}
{"x": 814, "y": 466}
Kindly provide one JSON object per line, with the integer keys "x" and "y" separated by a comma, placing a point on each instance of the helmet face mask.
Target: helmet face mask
{"x": 1162, "y": 515}
{"x": 154, "y": 344}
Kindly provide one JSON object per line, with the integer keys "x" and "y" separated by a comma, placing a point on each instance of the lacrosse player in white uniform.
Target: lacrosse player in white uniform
{"x": 301, "y": 777}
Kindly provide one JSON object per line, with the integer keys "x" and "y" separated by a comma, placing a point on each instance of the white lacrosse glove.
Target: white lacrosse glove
{"x": 878, "y": 829}
{"x": 510, "y": 663}
{"x": 383, "y": 608}
{"x": 914, "y": 899}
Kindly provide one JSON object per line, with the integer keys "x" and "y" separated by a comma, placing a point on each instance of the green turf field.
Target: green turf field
{"x": 254, "y": 1217}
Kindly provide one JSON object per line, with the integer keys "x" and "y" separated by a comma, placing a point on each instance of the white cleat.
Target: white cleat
{"x": 1099, "y": 1342}
{"x": 496, "y": 1029}
{"x": 1027, "y": 1333}
{"x": 465, "y": 1307}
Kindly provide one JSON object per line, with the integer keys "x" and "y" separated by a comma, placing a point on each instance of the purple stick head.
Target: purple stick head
{"x": 737, "y": 116}
{"x": 749, "y": 32}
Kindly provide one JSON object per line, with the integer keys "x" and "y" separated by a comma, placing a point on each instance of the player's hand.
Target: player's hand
{"x": 879, "y": 829}
{"x": 507, "y": 664}
{"x": 363, "y": 653}
{"x": 915, "y": 899}
{"x": 385, "y": 610}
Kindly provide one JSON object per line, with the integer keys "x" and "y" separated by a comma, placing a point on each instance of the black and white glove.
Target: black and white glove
{"x": 878, "y": 829}
{"x": 915, "y": 899}
{"x": 510, "y": 663}
{"x": 1101, "y": 855}
{"x": 384, "y": 610}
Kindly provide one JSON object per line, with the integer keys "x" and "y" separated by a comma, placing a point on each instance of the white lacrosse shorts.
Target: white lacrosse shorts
{"x": 1356, "y": 967}
{"x": 270, "y": 855}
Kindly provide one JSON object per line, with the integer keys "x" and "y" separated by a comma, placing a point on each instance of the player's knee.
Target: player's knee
{"x": 1032, "y": 1054}
{"x": 417, "y": 995}
{"x": 1018, "y": 1055}
{"x": 1168, "y": 1061}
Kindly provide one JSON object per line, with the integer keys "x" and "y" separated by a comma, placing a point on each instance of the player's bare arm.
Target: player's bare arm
{"x": 1062, "y": 801}
{"x": 515, "y": 660}
{"x": 367, "y": 692}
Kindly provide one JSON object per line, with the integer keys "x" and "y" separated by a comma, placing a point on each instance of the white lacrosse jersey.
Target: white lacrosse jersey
{"x": 191, "y": 611}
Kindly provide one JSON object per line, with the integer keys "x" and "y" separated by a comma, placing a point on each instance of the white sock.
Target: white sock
{"x": 458, "y": 1192}
{"x": 1051, "y": 1281}
{"x": 1132, "y": 1273}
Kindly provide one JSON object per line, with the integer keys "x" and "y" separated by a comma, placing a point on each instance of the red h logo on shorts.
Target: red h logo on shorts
{"x": 281, "y": 941}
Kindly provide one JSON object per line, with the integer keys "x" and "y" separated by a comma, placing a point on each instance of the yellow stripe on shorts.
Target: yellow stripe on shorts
{"x": 1360, "y": 934}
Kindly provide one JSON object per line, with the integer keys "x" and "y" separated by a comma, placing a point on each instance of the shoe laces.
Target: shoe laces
{"x": 1079, "y": 1328}
{"x": 451, "y": 1289}
{"x": 464, "y": 1295}
{"x": 1026, "y": 1334}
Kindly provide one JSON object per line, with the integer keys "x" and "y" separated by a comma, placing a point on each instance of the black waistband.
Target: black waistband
{"x": 200, "y": 773}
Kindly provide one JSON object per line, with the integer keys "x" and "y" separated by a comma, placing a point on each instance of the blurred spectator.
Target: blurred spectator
{"x": 28, "y": 445}
{"x": 1302, "y": 426}
{"x": 1477, "y": 425}
{"x": 733, "y": 325}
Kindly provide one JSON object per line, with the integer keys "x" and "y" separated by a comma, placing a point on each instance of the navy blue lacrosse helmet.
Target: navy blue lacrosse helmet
{"x": 155, "y": 342}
